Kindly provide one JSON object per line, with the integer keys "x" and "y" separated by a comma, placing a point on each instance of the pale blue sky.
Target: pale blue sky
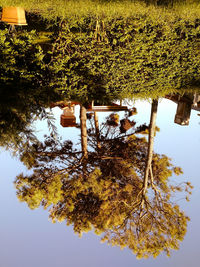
{"x": 29, "y": 239}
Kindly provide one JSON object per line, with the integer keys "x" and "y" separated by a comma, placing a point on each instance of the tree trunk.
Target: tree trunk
{"x": 83, "y": 119}
{"x": 96, "y": 122}
{"x": 152, "y": 126}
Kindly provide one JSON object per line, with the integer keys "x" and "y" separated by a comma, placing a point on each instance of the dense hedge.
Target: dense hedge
{"x": 120, "y": 58}
{"x": 107, "y": 58}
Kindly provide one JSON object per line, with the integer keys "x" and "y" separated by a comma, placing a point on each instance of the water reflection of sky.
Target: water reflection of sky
{"x": 28, "y": 239}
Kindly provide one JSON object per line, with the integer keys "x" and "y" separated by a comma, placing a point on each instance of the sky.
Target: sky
{"x": 29, "y": 239}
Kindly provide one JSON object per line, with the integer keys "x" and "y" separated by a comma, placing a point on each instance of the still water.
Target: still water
{"x": 28, "y": 238}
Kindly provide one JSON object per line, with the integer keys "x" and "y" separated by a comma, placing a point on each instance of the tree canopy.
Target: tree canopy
{"x": 104, "y": 192}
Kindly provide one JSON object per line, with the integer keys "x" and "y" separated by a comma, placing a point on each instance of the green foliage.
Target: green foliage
{"x": 125, "y": 58}
{"x": 23, "y": 87}
{"x": 79, "y": 67}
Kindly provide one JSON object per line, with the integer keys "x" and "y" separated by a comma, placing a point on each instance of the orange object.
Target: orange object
{"x": 67, "y": 122}
{"x": 14, "y": 15}
{"x": 68, "y": 119}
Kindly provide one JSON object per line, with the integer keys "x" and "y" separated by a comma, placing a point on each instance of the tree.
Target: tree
{"x": 24, "y": 92}
{"x": 106, "y": 192}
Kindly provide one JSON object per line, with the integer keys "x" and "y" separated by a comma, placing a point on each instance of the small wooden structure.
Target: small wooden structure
{"x": 68, "y": 119}
{"x": 183, "y": 111}
{"x": 112, "y": 107}
{"x": 14, "y": 15}
{"x": 185, "y": 103}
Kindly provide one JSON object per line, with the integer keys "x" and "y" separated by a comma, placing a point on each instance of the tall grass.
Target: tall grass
{"x": 51, "y": 9}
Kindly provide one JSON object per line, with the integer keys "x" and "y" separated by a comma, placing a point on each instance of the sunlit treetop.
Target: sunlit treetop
{"x": 104, "y": 192}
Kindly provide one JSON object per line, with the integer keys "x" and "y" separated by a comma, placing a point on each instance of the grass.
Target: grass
{"x": 51, "y": 9}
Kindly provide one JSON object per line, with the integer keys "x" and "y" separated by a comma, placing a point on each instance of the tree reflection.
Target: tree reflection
{"x": 105, "y": 189}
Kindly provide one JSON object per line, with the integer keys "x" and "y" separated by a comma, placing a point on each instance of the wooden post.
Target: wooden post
{"x": 83, "y": 119}
{"x": 96, "y": 122}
